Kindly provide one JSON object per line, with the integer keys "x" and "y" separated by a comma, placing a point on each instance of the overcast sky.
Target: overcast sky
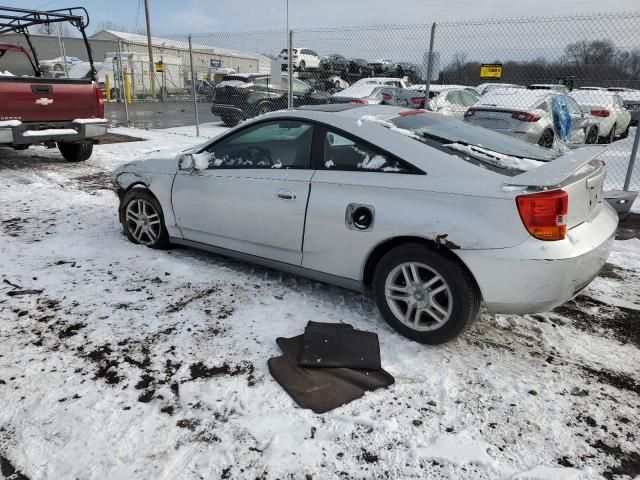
{"x": 205, "y": 16}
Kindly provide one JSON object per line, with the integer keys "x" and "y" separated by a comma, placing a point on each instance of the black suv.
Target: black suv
{"x": 242, "y": 96}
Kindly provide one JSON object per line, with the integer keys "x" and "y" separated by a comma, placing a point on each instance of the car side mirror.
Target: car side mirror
{"x": 186, "y": 162}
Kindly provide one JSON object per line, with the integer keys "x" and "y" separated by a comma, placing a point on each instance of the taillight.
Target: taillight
{"x": 99, "y": 101}
{"x": 469, "y": 113}
{"x": 525, "y": 117}
{"x": 600, "y": 113}
{"x": 544, "y": 214}
{"x": 407, "y": 113}
{"x": 242, "y": 90}
{"x": 417, "y": 101}
{"x": 387, "y": 96}
{"x": 360, "y": 101}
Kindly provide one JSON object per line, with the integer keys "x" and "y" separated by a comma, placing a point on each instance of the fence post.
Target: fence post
{"x": 122, "y": 84}
{"x": 290, "y": 70}
{"x": 632, "y": 159}
{"x": 193, "y": 88}
{"x": 429, "y": 64}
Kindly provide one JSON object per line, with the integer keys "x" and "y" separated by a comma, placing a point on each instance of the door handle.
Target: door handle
{"x": 286, "y": 195}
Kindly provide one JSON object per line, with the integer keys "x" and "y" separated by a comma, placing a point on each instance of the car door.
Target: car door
{"x": 350, "y": 202}
{"x": 252, "y": 195}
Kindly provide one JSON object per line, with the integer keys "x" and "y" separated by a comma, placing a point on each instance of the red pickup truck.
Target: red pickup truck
{"x": 34, "y": 110}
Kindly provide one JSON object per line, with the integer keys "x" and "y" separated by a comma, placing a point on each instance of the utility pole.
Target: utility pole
{"x": 152, "y": 69}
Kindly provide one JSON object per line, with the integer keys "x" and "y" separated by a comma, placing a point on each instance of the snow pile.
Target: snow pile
{"x": 495, "y": 158}
{"x": 6, "y": 73}
{"x": 329, "y": 164}
{"x": 201, "y": 161}
{"x": 373, "y": 163}
{"x": 458, "y": 449}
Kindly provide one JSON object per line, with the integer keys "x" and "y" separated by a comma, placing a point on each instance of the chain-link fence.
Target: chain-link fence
{"x": 554, "y": 81}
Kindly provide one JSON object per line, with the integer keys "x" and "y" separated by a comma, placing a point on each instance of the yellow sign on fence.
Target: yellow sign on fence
{"x": 493, "y": 70}
{"x": 159, "y": 67}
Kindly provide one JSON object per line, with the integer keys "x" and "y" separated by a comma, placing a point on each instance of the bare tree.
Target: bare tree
{"x": 590, "y": 53}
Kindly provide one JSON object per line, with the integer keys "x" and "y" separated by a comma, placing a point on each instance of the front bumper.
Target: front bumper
{"x": 537, "y": 276}
{"x": 18, "y": 133}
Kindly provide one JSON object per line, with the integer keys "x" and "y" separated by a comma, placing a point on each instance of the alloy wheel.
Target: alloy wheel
{"x": 418, "y": 296}
{"x": 143, "y": 221}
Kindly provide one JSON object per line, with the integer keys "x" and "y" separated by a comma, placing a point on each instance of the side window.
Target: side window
{"x": 575, "y": 108}
{"x": 262, "y": 82}
{"x": 299, "y": 86}
{"x": 454, "y": 97}
{"x": 342, "y": 153}
{"x": 284, "y": 144}
{"x": 468, "y": 99}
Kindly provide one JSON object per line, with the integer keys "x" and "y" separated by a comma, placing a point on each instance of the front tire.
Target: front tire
{"x": 425, "y": 295}
{"x": 76, "y": 152}
{"x": 302, "y": 65}
{"x": 142, "y": 219}
{"x": 229, "y": 121}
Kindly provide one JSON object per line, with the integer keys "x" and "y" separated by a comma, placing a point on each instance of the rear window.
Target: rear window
{"x": 455, "y": 136}
{"x": 14, "y": 63}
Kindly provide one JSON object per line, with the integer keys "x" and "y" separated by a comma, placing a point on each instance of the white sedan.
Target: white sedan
{"x": 613, "y": 119}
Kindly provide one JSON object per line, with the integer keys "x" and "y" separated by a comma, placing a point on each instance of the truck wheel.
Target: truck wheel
{"x": 76, "y": 152}
{"x": 546, "y": 139}
{"x": 425, "y": 295}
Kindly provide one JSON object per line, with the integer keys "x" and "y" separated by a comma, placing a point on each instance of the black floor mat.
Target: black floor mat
{"x": 322, "y": 389}
{"x": 339, "y": 345}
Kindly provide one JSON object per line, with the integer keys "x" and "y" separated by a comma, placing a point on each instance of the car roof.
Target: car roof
{"x": 514, "y": 97}
{"x": 330, "y": 111}
{"x": 592, "y": 96}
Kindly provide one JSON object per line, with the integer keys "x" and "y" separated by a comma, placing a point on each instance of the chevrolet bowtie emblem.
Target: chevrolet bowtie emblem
{"x": 44, "y": 101}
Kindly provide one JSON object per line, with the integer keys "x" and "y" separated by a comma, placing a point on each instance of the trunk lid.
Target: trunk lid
{"x": 494, "y": 119}
{"x": 578, "y": 172}
{"x": 47, "y": 99}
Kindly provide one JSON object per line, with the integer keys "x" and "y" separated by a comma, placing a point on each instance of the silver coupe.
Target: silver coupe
{"x": 436, "y": 216}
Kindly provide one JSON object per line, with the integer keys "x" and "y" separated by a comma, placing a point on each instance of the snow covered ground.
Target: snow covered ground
{"x": 137, "y": 363}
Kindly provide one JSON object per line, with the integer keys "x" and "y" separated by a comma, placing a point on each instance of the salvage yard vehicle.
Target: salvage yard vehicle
{"x": 450, "y": 100}
{"x": 435, "y": 215}
{"x": 67, "y": 112}
{"x": 528, "y": 115}
{"x": 368, "y": 90}
{"x": 609, "y": 110}
{"x": 242, "y": 96}
{"x": 301, "y": 59}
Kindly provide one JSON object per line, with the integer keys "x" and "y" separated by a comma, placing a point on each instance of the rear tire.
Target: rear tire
{"x": 229, "y": 121}
{"x": 142, "y": 219}
{"x": 425, "y": 295}
{"x": 264, "y": 107}
{"x": 546, "y": 139}
{"x": 610, "y": 137}
{"x": 625, "y": 134}
{"x": 76, "y": 152}
{"x": 592, "y": 136}
{"x": 301, "y": 66}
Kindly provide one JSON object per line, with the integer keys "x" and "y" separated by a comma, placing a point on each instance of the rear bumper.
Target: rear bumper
{"x": 537, "y": 276}
{"x": 18, "y": 133}
{"x": 228, "y": 111}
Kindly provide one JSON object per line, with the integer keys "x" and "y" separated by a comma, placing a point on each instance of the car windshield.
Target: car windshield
{"x": 477, "y": 142}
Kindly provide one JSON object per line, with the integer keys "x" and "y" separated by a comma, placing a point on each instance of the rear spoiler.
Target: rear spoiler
{"x": 553, "y": 173}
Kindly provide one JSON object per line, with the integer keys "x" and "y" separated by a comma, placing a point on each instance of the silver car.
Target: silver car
{"x": 432, "y": 214}
{"x": 528, "y": 115}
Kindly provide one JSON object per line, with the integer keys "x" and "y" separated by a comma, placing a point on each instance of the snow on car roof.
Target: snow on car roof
{"x": 435, "y": 88}
{"x": 376, "y": 80}
{"x": 513, "y": 97}
{"x": 597, "y": 97}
